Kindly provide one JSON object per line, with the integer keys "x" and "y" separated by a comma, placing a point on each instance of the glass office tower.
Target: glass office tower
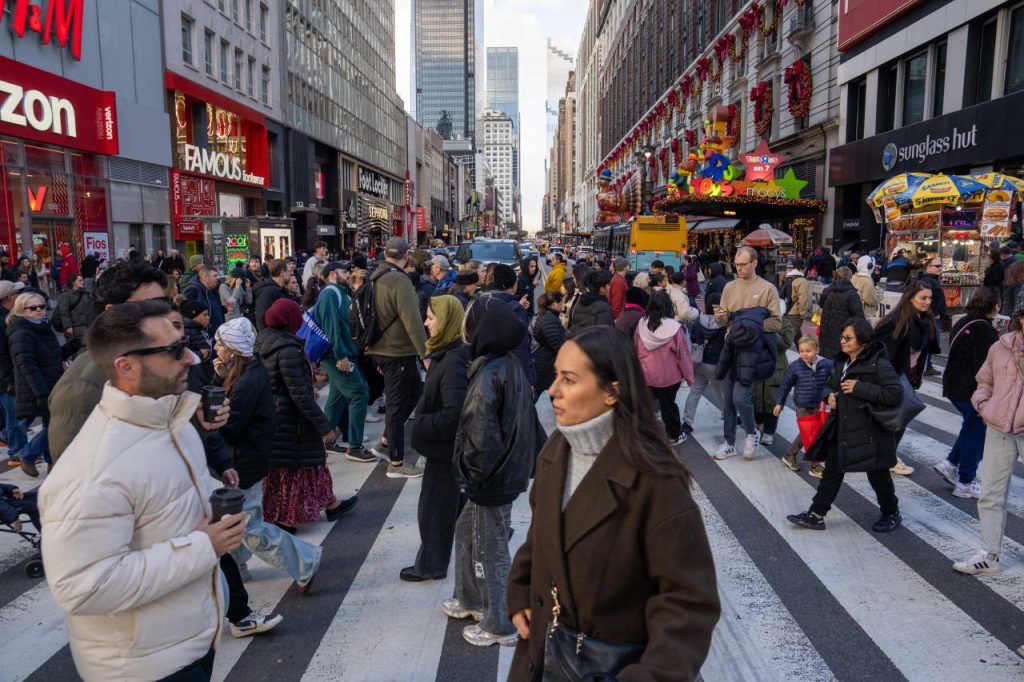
{"x": 448, "y": 64}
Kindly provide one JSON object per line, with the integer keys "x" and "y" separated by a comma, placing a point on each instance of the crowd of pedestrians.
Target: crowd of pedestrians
{"x": 306, "y": 352}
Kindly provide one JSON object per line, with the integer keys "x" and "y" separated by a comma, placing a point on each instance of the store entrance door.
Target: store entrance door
{"x": 47, "y": 236}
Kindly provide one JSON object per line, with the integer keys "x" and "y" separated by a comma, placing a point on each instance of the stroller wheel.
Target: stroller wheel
{"x": 34, "y": 568}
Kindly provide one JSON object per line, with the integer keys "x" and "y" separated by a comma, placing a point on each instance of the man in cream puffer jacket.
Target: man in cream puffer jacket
{"x": 129, "y": 554}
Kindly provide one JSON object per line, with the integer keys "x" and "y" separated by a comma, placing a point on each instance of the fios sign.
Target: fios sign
{"x": 47, "y": 18}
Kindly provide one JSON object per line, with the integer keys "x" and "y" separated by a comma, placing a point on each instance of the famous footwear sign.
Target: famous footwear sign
{"x": 39, "y": 106}
{"x": 218, "y": 164}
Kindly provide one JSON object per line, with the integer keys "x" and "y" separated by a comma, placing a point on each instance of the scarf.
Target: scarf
{"x": 449, "y": 313}
{"x": 920, "y": 331}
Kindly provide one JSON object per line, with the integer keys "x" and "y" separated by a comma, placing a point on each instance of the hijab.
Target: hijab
{"x": 449, "y": 313}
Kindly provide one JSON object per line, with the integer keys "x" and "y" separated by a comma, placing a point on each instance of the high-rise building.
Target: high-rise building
{"x": 496, "y": 140}
{"x": 347, "y": 143}
{"x": 448, "y": 63}
{"x": 561, "y": 56}
{"x": 503, "y": 96}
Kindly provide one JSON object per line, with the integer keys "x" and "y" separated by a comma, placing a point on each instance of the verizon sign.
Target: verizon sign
{"x": 219, "y": 165}
{"x": 40, "y": 106}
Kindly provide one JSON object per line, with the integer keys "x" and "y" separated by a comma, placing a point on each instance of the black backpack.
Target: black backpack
{"x": 787, "y": 292}
{"x": 362, "y": 317}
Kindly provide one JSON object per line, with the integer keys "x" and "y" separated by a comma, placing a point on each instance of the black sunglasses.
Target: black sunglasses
{"x": 175, "y": 349}
{"x": 40, "y": 306}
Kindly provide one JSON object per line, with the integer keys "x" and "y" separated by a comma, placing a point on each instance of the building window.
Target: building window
{"x": 1015, "y": 53}
{"x": 939, "y": 79}
{"x": 915, "y": 72}
{"x": 885, "y": 118}
{"x": 234, "y": 10}
{"x": 238, "y": 69}
{"x": 220, "y": 5}
{"x": 986, "y": 62}
{"x": 248, "y": 15}
{"x": 250, "y": 78}
{"x": 265, "y": 86}
{"x": 187, "y": 25}
{"x": 208, "y": 52}
{"x": 264, "y": 17}
{"x": 224, "y": 62}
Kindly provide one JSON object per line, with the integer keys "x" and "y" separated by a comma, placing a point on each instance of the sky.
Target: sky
{"x": 526, "y": 24}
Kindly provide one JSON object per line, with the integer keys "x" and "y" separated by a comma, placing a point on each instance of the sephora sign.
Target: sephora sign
{"x": 40, "y": 106}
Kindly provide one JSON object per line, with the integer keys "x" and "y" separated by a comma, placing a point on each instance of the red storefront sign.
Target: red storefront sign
{"x": 191, "y": 198}
{"x": 860, "y": 18}
{"x": 421, "y": 219}
{"x": 39, "y": 106}
{"x": 63, "y": 17}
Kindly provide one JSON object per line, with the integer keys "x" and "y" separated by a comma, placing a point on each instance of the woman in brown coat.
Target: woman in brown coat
{"x": 615, "y": 533}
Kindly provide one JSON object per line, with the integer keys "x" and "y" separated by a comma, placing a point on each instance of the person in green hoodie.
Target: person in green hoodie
{"x": 348, "y": 389}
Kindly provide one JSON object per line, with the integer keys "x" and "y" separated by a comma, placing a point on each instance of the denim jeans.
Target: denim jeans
{"x": 482, "y": 564}
{"x": 347, "y": 392}
{"x": 15, "y": 429}
{"x": 39, "y": 446}
{"x": 970, "y": 443}
{"x": 737, "y": 397}
{"x": 703, "y": 377}
{"x": 1001, "y": 452}
{"x": 276, "y": 547}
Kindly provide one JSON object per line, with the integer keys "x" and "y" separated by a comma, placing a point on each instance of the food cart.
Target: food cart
{"x": 952, "y": 218}
{"x": 777, "y": 246}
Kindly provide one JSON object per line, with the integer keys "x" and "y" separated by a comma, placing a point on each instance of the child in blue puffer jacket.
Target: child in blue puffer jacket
{"x": 808, "y": 378}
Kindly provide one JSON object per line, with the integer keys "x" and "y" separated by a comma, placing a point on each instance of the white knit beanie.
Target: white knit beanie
{"x": 237, "y": 335}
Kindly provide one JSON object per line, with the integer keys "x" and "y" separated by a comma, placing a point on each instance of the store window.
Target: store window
{"x": 187, "y": 26}
{"x": 208, "y": 52}
{"x": 939, "y": 79}
{"x": 1015, "y": 52}
{"x": 915, "y": 72}
{"x": 224, "y": 61}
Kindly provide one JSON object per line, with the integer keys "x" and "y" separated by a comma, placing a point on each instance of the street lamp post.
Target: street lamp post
{"x": 643, "y": 157}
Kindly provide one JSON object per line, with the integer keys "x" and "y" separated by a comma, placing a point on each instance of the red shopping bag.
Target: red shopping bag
{"x": 810, "y": 426}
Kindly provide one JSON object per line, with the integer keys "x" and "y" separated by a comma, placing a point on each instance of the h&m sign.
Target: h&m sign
{"x": 47, "y": 17}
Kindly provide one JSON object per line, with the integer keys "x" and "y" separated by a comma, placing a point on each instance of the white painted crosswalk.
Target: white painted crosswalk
{"x": 844, "y": 604}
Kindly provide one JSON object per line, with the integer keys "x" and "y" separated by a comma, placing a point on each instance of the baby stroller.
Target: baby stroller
{"x": 34, "y": 567}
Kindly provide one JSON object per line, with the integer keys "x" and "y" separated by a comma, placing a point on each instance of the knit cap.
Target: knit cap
{"x": 237, "y": 335}
{"x": 195, "y": 260}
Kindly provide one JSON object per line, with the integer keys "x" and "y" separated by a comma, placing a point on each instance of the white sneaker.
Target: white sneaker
{"x": 453, "y": 608}
{"x": 901, "y": 469}
{"x": 767, "y": 438}
{"x": 947, "y": 470}
{"x": 750, "y": 445}
{"x": 372, "y": 417}
{"x": 972, "y": 489}
{"x": 477, "y": 636}
{"x": 725, "y": 451}
{"x": 980, "y": 562}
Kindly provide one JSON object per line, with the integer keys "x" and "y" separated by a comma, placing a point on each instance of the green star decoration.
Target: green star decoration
{"x": 791, "y": 184}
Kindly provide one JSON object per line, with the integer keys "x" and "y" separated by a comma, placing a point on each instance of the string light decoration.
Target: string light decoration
{"x": 677, "y": 204}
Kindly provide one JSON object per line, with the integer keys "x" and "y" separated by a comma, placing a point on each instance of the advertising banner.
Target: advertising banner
{"x": 97, "y": 243}
{"x": 40, "y": 106}
{"x": 860, "y": 18}
{"x": 995, "y": 215}
{"x": 191, "y": 198}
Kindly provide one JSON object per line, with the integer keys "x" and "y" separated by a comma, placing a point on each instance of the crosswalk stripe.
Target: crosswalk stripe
{"x": 853, "y": 563}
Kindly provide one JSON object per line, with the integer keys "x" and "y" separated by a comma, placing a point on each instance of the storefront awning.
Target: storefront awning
{"x": 716, "y": 224}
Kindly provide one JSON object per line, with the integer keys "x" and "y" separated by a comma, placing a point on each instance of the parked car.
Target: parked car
{"x": 489, "y": 251}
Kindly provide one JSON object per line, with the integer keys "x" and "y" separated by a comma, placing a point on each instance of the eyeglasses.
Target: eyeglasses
{"x": 847, "y": 339}
{"x": 177, "y": 350}
{"x": 742, "y": 265}
{"x": 41, "y": 306}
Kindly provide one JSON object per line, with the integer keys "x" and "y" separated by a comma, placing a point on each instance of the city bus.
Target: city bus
{"x": 654, "y": 238}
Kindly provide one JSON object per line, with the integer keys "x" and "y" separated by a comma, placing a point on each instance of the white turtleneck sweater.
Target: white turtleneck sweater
{"x": 586, "y": 441}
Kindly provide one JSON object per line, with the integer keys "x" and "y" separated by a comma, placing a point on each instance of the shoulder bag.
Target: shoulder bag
{"x": 895, "y": 418}
{"x": 571, "y": 656}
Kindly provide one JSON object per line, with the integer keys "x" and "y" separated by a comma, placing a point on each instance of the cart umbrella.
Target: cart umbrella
{"x": 942, "y": 190}
{"x": 897, "y": 184}
{"x": 767, "y": 236}
{"x": 1007, "y": 183}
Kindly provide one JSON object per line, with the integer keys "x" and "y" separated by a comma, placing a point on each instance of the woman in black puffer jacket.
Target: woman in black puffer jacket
{"x": 839, "y": 302}
{"x": 863, "y": 381}
{"x": 548, "y": 336}
{"x": 497, "y": 443}
{"x": 298, "y": 485}
{"x": 38, "y": 364}
{"x": 433, "y": 436}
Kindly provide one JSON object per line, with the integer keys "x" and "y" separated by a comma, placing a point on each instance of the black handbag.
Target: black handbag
{"x": 571, "y": 656}
{"x": 895, "y": 418}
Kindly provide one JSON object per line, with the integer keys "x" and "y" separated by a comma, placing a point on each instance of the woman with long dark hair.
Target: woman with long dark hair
{"x": 909, "y": 334}
{"x": 972, "y": 337}
{"x": 1014, "y": 281}
{"x": 665, "y": 359}
{"x": 548, "y": 334}
{"x": 610, "y": 479}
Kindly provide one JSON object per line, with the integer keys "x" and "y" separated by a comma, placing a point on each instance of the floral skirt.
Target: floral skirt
{"x": 295, "y": 496}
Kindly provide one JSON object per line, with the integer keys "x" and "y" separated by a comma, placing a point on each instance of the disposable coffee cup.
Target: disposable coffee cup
{"x": 226, "y": 502}
{"x": 213, "y": 398}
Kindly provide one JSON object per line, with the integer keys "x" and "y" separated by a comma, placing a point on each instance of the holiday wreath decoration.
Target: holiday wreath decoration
{"x": 798, "y": 80}
{"x": 761, "y": 96}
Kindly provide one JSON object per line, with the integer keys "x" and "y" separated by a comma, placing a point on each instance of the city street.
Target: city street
{"x": 845, "y": 604}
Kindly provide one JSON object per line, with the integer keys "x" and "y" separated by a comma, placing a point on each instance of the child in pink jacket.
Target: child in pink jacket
{"x": 665, "y": 359}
